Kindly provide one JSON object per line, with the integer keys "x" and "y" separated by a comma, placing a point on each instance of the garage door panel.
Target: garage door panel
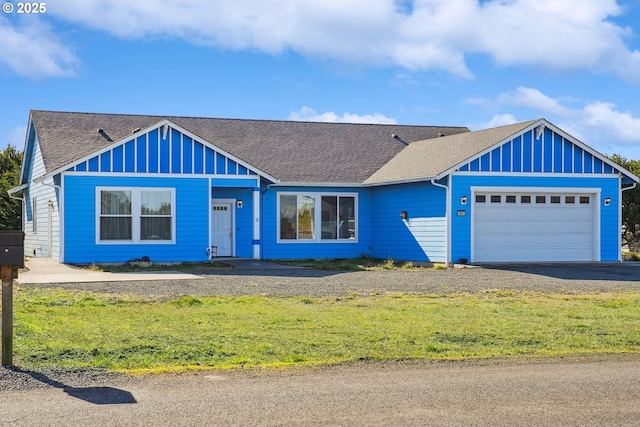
{"x": 534, "y": 231}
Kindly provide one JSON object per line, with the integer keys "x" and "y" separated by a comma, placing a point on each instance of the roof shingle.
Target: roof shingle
{"x": 287, "y": 150}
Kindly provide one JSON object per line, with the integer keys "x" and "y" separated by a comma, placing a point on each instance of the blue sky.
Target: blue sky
{"x": 430, "y": 62}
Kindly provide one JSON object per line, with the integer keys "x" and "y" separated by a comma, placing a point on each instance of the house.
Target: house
{"x": 104, "y": 188}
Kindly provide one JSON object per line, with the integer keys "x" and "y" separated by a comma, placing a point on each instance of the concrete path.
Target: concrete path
{"x": 45, "y": 270}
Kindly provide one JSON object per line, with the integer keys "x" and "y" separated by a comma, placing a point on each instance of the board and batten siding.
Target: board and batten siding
{"x": 157, "y": 152}
{"x": 423, "y": 235}
{"x": 608, "y": 186}
{"x": 546, "y": 152}
{"x": 274, "y": 249}
{"x": 193, "y": 201}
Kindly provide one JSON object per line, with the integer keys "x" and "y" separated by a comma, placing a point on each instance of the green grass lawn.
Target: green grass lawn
{"x": 76, "y": 329}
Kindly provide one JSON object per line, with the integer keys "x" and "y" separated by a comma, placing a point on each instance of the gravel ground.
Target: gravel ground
{"x": 569, "y": 279}
{"x": 575, "y": 279}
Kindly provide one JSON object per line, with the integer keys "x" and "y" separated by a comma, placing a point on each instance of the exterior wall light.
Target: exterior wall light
{"x": 607, "y": 201}
{"x": 239, "y": 204}
{"x": 404, "y": 214}
{"x": 463, "y": 200}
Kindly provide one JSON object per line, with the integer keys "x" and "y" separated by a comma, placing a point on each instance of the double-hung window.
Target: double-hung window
{"x": 135, "y": 215}
{"x": 317, "y": 217}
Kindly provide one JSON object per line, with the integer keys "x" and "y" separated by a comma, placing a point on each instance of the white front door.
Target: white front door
{"x": 222, "y": 228}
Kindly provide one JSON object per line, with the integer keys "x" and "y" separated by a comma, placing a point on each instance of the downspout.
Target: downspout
{"x": 447, "y": 259}
{"x": 620, "y": 214}
{"x": 11, "y": 196}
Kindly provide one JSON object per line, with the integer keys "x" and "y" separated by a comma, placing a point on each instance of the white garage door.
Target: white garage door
{"x": 534, "y": 227}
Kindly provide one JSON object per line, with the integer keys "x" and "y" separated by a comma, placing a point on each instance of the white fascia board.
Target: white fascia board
{"x": 317, "y": 184}
{"x": 491, "y": 148}
{"x": 24, "y": 149}
{"x": 159, "y": 125}
{"x": 555, "y": 129}
{"x": 401, "y": 181}
{"x": 16, "y": 189}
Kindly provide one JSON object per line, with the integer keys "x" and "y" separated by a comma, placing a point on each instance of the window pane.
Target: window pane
{"x": 541, "y": 199}
{"x": 570, "y": 199}
{"x": 115, "y": 228}
{"x": 555, "y": 199}
{"x": 115, "y": 202}
{"x": 511, "y": 199}
{"x": 481, "y": 198}
{"x": 158, "y": 228}
{"x": 155, "y": 203}
{"x": 329, "y": 217}
{"x": 525, "y": 199}
{"x": 347, "y": 218}
{"x": 288, "y": 229}
{"x": 584, "y": 200}
{"x": 306, "y": 217}
{"x": 496, "y": 199}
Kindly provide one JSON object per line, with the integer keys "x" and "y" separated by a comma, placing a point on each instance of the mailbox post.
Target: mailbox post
{"x": 11, "y": 258}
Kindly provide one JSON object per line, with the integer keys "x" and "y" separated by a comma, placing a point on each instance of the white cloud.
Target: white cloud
{"x": 32, "y": 50}
{"x": 535, "y": 99}
{"x": 308, "y": 114}
{"x": 496, "y": 121}
{"x": 423, "y": 35}
{"x": 597, "y": 123}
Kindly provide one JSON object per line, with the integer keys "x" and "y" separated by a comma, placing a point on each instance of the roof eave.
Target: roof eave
{"x": 158, "y": 125}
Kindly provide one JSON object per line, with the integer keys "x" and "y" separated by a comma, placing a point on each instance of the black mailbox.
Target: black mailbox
{"x": 12, "y": 248}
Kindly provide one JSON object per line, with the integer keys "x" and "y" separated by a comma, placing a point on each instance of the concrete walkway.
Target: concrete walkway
{"x": 45, "y": 270}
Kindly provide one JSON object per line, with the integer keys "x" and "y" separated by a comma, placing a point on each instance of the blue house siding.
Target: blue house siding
{"x": 272, "y": 249}
{"x": 154, "y": 152}
{"x": 609, "y": 218}
{"x": 243, "y": 218}
{"x": 549, "y": 153}
{"x": 422, "y": 237}
{"x": 191, "y": 216}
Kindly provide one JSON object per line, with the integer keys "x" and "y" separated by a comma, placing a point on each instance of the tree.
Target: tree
{"x": 630, "y": 206}
{"x": 10, "y": 209}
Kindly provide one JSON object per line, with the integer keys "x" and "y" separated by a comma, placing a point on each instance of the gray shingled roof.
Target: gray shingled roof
{"x": 287, "y": 150}
{"x": 430, "y": 158}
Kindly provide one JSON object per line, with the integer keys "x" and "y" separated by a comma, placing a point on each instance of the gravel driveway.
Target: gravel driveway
{"x": 572, "y": 279}
{"x": 569, "y": 279}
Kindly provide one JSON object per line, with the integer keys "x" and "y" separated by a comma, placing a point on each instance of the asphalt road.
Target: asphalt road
{"x": 482, "y": 393}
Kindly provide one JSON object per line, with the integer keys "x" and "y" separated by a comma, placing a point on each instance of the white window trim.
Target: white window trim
{"x": 318, "y": 217}
{"x": 136, "y": 195}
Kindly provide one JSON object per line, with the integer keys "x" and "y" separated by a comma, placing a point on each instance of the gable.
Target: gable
{"x": 292, "y": 152}
{"x": 164, "y": 148}
{"x": 542, "y": 148}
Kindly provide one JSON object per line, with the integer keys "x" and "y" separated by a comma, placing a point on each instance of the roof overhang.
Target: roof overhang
{"x": 17, "y": 189}
{"x": 165, "y": 126}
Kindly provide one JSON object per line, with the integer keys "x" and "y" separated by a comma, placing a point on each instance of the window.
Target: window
{"x": 481, "y": 198}
{"x": 317, "y": 217}
{"x": 155, "y": 215}
{"x": 136, "y": 215}
{"x": 584, "y": 200}
{"x": 496, "y": 199}
{"x": 525, "y": 199}
{"x": 570, "y": 199}
{"x": 511, "y": 199}
{"x": 115, "y": 215}
{"x": 541, "y": 199}
{"x": 555, "y": 199}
